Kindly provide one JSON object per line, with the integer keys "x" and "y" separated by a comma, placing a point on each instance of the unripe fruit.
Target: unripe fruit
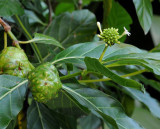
{"x": 110, "y": 36}
{"x": 13, "y": 61}
{"x": 44, "y": 82}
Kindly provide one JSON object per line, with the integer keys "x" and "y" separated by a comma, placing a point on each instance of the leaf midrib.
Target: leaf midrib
{"x": 87, "y": 101}
{"x": 20, "y": 84}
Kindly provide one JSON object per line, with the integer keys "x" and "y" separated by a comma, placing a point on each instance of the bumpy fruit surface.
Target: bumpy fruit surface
{"x": 44, "y": 82}
{"x": 110, "y": 36}
{"x": 13, "y": 61}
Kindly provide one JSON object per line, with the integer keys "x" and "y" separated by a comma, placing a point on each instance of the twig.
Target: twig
{"x": 7, "y": 28}
{"x": 50, "y": 11}
{"x": 5, "y": 25}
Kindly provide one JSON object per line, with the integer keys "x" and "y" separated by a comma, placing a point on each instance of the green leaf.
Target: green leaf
{"x": 144, "y": 13}
{"x": 33, "y": 18}
{"x": 103, "y": 106}
{"x": 64, "y": 7}
{"x": 144, "y": 117}
{"x": 122, "y": 17}
{"x": 128, "y": 104}
{"x": 10, "y": 7}
{"x": 40, "y": 117}
{"x": 151, "y": 61}
{"x": 41, "y": 38}
{"x": 145, "y": 98}
{"x": 69, "y": 28}
{"x": 89, "y": 122}
{"x": 155, "y": 31}
{"x": 12, "y": 93}
{"x": 95, "y": 66}
{"x": 153, "y": 83}
{"x": 107, "y": 6}
{"x": 65, "y": 106}
{"x": 76, "y": 53}
{"x": 11, "y": 125}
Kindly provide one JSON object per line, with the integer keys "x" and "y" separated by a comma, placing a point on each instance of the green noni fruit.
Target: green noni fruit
{"x": 44, "y": 82}
{"x": 13, "y": 61}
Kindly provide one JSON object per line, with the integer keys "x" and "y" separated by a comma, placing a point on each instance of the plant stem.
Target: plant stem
{"x": 104, "y": 50}
{"x": 5, "y": 40}
{"x": 108, "y": 79}
{"x": 33, "y": 45}
{"x": 70, "y": 75}
{"x": 7, "y": 28}
{"x": 50, "y": 12}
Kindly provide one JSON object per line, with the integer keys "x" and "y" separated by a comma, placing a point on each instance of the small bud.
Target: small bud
{"x": 99, "y": 26}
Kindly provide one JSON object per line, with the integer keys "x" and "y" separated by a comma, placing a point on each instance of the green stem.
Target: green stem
{"x": 33, "y": 45}
{"x": 29, "y": 41}
{"x": 70, "y": 76}
{"x": 108, "y": 79}
{"x": 5, "y": 40}
{"x": 104, "y": 50}
{"x": 11, "y": 35}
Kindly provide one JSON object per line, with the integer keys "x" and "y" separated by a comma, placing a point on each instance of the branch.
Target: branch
{"x": 7, "y": 28}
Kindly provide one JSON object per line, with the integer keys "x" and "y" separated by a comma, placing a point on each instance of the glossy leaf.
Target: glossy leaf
{"x": 10, "y": 7}
{"x": 76, "y": 53}
{"x": 12, "y": 93}
{"x": 95, "y": 66}
{"x": 65, "y": 106}
{"x": 69, "y": 28}
{"x": 41, "y": 38}
{"x": 144, "y": 13}
{"x": 151, "y": 61}
{"x": 152, "y": 104}
{"x": 90, "y": 122}
{"x": 103, "y": 106}
{"x": 40, "y": 117}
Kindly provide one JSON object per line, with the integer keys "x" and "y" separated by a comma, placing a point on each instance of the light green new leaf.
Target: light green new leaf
{"x": 10, "y": 7}
{"x": 76, "y": 53}
{"x": 12, "y": 93}
{"x": 40, "y": 117}
{"x": 95, "y": 66}
{"x": 144, "y": 13}
{"x": 41, "y": 38}
{"x": 103, "y": 106}
{"x": 152, "y": 104}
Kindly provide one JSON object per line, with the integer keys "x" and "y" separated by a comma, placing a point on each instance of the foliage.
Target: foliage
{"x": 103, "y": 80}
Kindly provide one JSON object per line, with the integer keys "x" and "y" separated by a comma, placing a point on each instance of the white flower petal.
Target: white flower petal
{"x": 126, "y": 32}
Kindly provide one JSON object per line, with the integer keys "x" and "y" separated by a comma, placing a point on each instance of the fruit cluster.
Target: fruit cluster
{"x": 44, "y": 81}
{"x": 110, "y": 36}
